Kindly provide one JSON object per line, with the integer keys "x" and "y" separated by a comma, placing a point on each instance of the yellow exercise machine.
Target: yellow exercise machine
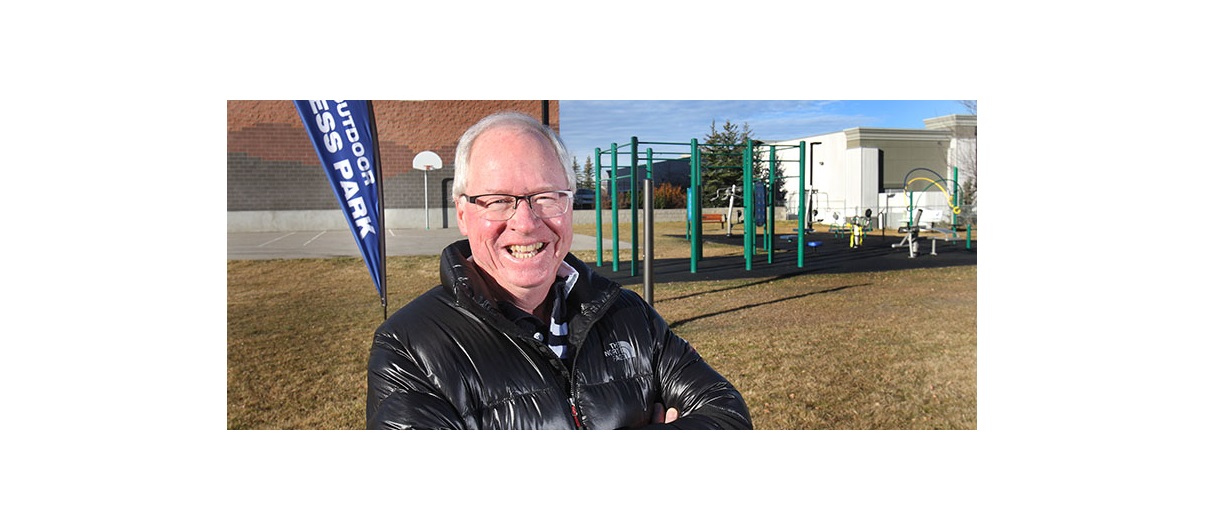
{"x": 858, "y": 225}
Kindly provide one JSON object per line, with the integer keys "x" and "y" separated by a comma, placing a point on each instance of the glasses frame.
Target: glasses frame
{"x": 568, "y": 194}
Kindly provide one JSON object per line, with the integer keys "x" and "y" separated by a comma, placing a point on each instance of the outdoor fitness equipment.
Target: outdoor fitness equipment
{"x": 770, "y": 185}
{"x": 854, "y": 227}
{"x": 951, "y": 197}
{"x": 694, "y": 206}
{"x": 635, "y": 182}
{"x": 911, "y": 233}
{"x": 730, "y": 194}
{"x": 634, "y": 185}
{"x": 858, "y": 226}
{"x": 914, "y": 227}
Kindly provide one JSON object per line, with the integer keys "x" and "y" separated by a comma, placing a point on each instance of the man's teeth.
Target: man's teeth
{"x": 525, "y": 251}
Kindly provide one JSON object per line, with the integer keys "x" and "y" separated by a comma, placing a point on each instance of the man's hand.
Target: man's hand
{"x": 660, "y": 415}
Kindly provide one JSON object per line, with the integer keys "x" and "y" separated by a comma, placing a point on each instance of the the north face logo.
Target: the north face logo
{"x": 619, "y": 351}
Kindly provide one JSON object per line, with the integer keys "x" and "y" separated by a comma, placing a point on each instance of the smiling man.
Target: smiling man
{"x": 521, "y": 334}
{"x": 517, "y": 252}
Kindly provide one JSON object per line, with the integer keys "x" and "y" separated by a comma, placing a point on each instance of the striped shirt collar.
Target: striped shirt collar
{"x": 555, "y": 335}
{"x": 558, "y": 327}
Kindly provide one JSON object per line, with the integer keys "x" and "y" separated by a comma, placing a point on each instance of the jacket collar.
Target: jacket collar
{"x": 591, "y": 295}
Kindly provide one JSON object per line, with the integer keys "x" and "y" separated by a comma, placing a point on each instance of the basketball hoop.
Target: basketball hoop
{"x": 427, "y": 161}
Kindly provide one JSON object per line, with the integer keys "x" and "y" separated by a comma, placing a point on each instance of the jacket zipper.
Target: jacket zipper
{"x": 577, "y": 417}
{"x": 573, "y": 412}
{"x": 577, "y": 422}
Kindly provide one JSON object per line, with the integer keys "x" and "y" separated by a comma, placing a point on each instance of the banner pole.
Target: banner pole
{"x": 380, "y": 181}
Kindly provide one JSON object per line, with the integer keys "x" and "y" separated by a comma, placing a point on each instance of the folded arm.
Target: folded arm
{"x": 702, "y": 397}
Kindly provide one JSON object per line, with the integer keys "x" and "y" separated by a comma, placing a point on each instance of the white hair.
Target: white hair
{"x": 512, "y": 120}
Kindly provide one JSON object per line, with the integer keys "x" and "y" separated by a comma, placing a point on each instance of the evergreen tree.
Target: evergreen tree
{"x": 722, "y": 161}
{"x": 780, "y": 192}
{"x": 587, "y": 180}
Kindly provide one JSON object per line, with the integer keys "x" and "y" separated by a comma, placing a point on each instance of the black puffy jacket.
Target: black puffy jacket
{"x": 450, "y": 360}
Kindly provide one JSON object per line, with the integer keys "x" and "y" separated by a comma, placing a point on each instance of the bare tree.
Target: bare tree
{"x": 966, "y": 159}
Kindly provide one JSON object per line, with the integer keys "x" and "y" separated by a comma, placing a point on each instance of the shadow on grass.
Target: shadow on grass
{"x": 677, "y": 323}
{"x": 734, "y": 287}
{"x": 830, "y": 256}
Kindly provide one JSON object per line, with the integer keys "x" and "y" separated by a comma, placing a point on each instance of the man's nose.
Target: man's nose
{"x": 524, "y": 215}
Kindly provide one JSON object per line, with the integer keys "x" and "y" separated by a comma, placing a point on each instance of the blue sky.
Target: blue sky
{"x": 587, "y": 124}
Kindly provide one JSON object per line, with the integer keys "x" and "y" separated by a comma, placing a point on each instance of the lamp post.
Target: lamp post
{"x": 886, "y": 213}
{"x": 811, "y": 177}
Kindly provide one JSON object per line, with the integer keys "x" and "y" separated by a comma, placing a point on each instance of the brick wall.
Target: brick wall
{"x": 271, "y": 164}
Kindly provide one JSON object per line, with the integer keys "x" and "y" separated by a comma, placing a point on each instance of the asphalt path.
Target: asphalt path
{"x": 828, "y": 254}
{"x": 337, "y": 243}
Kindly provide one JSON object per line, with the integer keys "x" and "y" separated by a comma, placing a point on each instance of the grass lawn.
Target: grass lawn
{"x": 872, "y": 350}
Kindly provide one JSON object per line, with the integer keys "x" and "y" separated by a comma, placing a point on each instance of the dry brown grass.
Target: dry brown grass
{"x": 881, "y": 350}
{"x": 891, "y": 350}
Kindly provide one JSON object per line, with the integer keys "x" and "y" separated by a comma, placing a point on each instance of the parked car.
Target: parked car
{"x": 583, "y": 199}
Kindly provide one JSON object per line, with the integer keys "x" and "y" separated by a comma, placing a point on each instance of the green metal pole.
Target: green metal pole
{"x": 598, "y": 239}
{"x": 649, "y": 226}
{"x": 614, "y": 209}
{"x": 909, "y": 211}
{"x": 799, "y": 215}
{"x": 649, "y": 172}
{"x": 954, "y": 215}
{"x": 747, "y": 180}
{"x": 770, "y": 211}
{"x": 633, "y": 185}
{"x": 696, "y": 223}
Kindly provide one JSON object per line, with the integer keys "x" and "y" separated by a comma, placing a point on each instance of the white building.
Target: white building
{"x": 859, "y": 169}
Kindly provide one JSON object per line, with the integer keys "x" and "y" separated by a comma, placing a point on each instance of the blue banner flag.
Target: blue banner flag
{"x": 342, "y": 134}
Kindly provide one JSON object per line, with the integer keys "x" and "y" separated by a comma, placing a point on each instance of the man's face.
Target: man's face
{"x": 521, "y": 254}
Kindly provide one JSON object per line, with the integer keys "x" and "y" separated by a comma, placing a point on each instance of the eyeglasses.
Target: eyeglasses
{"x": 502, "y": 206}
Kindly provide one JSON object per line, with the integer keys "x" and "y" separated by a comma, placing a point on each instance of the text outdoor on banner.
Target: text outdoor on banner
{"x": 341, "y": 133}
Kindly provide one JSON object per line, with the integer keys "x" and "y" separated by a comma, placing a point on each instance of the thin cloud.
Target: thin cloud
{"x": 590, "y": 124}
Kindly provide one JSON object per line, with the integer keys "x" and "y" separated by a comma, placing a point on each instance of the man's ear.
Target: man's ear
{"x": 460, "y": 220}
